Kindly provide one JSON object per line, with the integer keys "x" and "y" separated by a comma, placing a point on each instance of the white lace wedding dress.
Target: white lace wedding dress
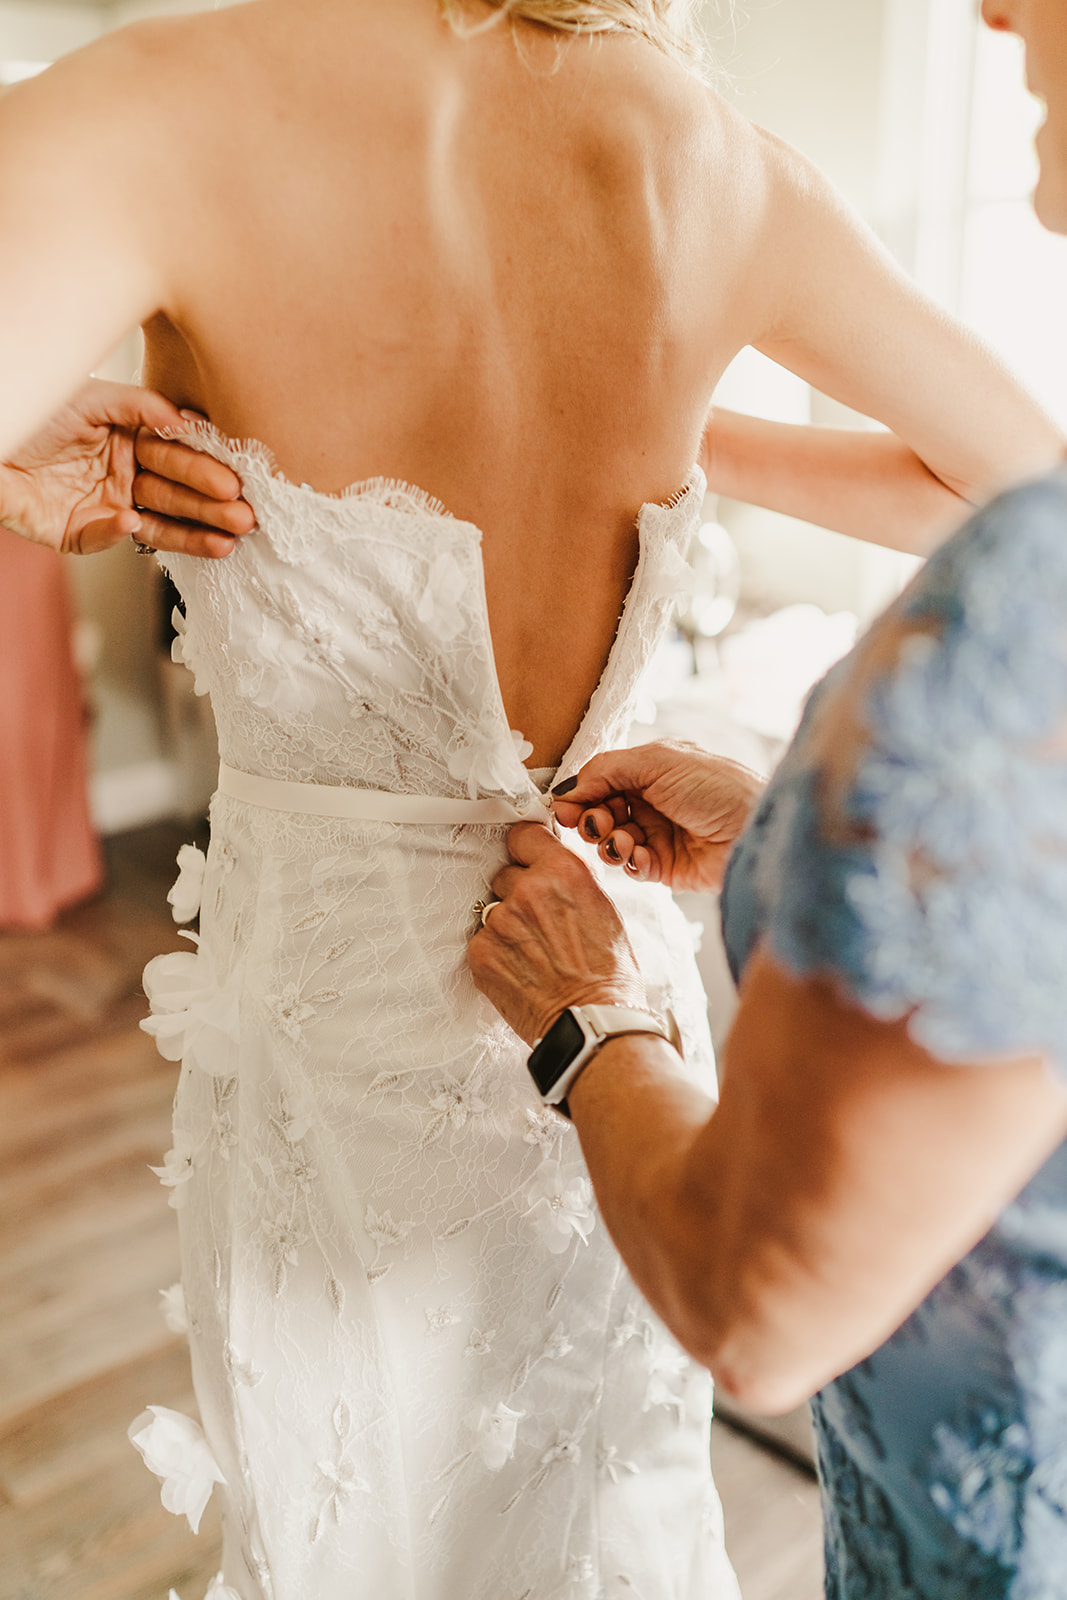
{"x": 423, "y": 1372}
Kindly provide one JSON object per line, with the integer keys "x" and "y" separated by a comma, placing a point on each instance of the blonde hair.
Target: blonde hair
{"x": 671, "y": 25}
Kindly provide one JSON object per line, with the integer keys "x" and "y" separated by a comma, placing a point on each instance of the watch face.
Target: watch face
{"x": 556, "y": 1051}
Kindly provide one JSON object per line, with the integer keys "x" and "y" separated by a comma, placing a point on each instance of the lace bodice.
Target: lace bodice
{"x": 348, "y": 640}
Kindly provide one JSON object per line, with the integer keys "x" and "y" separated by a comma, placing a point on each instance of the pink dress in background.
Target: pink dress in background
{"x": 49, "y": 856}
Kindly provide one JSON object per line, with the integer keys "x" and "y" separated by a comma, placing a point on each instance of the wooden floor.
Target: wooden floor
{"x": 86, "y": 1243}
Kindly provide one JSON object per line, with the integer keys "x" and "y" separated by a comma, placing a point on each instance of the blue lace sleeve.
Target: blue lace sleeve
{"x": 932, "y": 882}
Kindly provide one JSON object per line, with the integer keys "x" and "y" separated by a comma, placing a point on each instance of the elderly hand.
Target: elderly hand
{"x": 667, "y": 812}
{"x": 555, "y": 940}
{"x": 75, "y": 485}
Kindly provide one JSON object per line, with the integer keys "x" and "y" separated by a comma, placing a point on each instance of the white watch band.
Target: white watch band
{"x": 599, "y": 1024}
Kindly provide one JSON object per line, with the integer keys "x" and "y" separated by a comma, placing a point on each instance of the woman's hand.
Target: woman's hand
{"x": 75, "y": 485}
{"x": 667, "y": 812}
{"x": 555, "y": 940}
{"x": 187, "y": 495}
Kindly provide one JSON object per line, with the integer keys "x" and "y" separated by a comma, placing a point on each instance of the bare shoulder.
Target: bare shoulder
{"x": 156, "y": 64}
{"x": 84, "y": 123}
{"x": 106, "y": 88}
{"x": 665, "y": 98}
{"x": 644, "y": 111}
{"x": 781, "y": 187}
{"x": 799, "y": 189}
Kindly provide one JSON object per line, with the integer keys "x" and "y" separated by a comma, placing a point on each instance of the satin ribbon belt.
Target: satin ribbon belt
{"x": 374, "y": 805}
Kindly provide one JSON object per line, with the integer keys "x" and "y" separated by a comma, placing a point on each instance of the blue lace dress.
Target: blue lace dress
{"x": 930, "y": 880}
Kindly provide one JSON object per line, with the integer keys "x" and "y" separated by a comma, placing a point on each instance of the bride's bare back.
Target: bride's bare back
{"x": 467, "y": 263}
{"x": 508, "y": 268}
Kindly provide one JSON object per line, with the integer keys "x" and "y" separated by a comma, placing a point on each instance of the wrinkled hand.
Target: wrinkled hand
{"x": 555, "y": 940}
{"x": 667, "y": 812}
{"x": 75, "y": 485}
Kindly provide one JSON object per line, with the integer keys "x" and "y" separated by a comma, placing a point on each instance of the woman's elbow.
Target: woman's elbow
{"x": 769, "y": 1392}
{"x": 753, "y": 1360}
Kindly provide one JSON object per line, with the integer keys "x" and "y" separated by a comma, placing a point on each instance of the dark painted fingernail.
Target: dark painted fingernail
{"x": 611, "y": 850}
{"x": 590, "y": 829}
{"x": 565, "y": 787}
{"x": 631, "y": 866}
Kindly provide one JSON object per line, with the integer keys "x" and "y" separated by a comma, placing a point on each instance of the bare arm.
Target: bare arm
{"x": 868, "y": 485}
{"x": 77, "y": 264}
{"x": 81, "y": 240}
{"x": 845, "y": 1170}
{"x": 783, "y": 1235}
{"x": 832, "y": 306}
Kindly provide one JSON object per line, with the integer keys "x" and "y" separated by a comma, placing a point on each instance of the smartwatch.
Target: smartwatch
{"x": 574, "y": 1039}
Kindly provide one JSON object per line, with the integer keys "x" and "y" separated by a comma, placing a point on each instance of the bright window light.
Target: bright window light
{"x": 15, "y": 71}
{"x": 1013, "y": 270}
